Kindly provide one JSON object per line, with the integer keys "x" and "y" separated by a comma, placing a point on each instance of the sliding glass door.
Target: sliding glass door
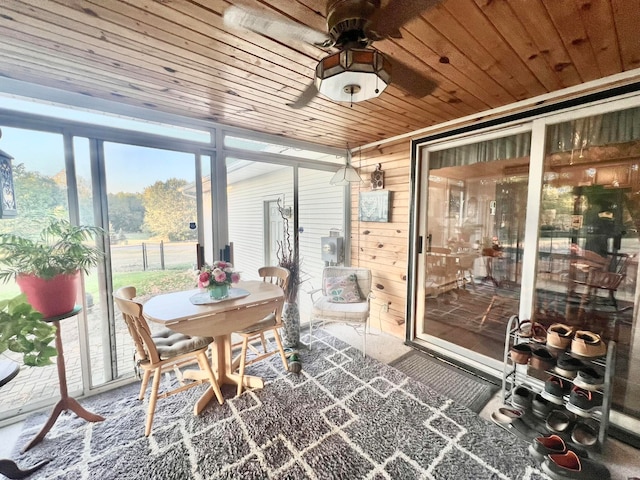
{"x": 541, "y": 221}
{"x": 151, "y": 222}
{"x": 262, "y": 215}
{"x": 41, "y": 190}
{"x": 588, "y": 246}
{"x": 472, "y": 233}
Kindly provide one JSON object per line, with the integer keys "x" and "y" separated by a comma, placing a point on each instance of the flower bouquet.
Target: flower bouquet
{"x": 216, "y": 278}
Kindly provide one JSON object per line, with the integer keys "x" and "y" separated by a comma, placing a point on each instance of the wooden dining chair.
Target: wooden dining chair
{"x": 271, "y": 323}
{"x": 162, "y": 351}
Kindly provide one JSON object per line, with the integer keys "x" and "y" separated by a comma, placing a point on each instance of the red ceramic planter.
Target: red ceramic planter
{"x": 50, "y": 297}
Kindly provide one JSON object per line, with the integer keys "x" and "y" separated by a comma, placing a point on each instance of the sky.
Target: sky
{"x": 129, "y": 168}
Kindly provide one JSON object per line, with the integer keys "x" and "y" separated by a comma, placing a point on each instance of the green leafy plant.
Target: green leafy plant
{"x": 61, "y": 248}
{"x": 22, "y": 330}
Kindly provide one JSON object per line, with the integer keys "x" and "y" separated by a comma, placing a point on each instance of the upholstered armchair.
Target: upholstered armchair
{"x": 344, "y": 297}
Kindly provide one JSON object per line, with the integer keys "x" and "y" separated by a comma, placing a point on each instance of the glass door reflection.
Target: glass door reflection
{"x": 473, "y": 243}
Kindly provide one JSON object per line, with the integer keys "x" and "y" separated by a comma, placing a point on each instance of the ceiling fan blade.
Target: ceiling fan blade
{"x": 411, "y": 81}
{"x": 305, "y": 97}
{"x": 386, "y": 22}
{"x": 271, "y": 26}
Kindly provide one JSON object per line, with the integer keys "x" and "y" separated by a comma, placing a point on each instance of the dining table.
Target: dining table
{"x": 193, "y": 312}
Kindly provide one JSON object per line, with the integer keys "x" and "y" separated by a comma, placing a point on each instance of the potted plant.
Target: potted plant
{"x": 22, "y": 330}
{"x": 47, "y": 268}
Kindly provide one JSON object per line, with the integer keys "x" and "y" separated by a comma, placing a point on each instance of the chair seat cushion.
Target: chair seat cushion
{"x": 342, "y": 289}
{"x": 268, "y": 321}
{"x": 348, "y": 312}
{"x": 171, "y": 344}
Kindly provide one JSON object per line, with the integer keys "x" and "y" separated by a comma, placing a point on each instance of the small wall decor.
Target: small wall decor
{"x": 377, "y": 178}
{"x": 374, "y": 206}
{"x": 7, "y": 194}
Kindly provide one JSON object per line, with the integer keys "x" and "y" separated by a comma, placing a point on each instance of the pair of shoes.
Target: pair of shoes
{"x": 538, "y": 333}
{"x": 524, "y": 328}
{"x": 552, "y": 444}
{"x": 588, "y": 344}
{"x": 585, "y": 433}
{"x": 568, "y": 366}
{"x": 589, "y": 378}
{"x": 541, "y": 359}
{"x": 507, "y": 414}
{"x": 520, "y": 353}
{"x": 522, "y": 397}
{"x": 555, "y": 389}
{"x": 512, "y": 422}
{"x": 562, "y": 466}
{"x": 584, "y": 402}
{"x": 560, "y": 421}
{"x": 541, "y": 407}
{"x": 559, "y": 336}
{"x": 533, "y": 330}
{"x": 527, "y": 353}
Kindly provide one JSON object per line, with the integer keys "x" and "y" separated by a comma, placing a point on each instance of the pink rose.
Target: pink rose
{"x": 203, "y": 280}
{"x": 219, "y": 276}
{"x": 235, "y": 277}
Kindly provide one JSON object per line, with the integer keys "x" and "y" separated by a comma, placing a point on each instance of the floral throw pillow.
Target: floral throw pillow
{"x": 343, "y": 289}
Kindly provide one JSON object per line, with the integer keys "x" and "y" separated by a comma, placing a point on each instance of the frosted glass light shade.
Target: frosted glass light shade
{"x": 345, "y": 175}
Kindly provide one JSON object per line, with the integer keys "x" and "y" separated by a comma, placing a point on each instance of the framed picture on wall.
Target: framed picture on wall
{"x": 374, "y": 206}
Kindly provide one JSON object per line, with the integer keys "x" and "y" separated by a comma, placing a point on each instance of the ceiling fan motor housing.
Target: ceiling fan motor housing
{"x": 347, "y": 20}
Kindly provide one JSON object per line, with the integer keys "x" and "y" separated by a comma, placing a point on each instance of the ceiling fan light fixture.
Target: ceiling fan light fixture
{"x": 353, "y": 75}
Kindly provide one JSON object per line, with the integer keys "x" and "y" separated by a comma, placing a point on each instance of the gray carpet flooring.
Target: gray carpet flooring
{"x": 342, "y": 417}
{"x": 468, "y": 390}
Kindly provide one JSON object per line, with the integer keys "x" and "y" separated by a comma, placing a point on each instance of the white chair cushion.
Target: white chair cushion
{"x": 348, "y": 312}
{"x": 171, "y": 344}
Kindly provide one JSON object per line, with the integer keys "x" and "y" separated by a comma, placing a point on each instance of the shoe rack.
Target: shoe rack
{"x": 515, "y": 375}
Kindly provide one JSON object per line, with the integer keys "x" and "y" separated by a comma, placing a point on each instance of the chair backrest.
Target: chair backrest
{"x": 619, "y": 262}
{"x": 276, "y": 275}
{"x": 136, "y": 324}
{"x": 363, "y": 276}
{"x": 605, "y": 280}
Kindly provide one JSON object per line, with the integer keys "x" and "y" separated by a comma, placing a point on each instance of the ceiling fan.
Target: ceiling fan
{"x": 357, "y": 71}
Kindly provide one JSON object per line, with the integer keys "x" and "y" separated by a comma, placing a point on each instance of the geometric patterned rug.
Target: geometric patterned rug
{"x": 342, "y": 417}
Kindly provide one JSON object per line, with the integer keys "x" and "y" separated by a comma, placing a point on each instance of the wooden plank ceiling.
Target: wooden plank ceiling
{"x": 177, "y": 56}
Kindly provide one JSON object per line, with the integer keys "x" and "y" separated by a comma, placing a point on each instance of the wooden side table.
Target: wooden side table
{"x": 66, "y": 402}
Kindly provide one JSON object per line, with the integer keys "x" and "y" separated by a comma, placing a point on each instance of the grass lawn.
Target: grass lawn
{"x": 148, "y": 282}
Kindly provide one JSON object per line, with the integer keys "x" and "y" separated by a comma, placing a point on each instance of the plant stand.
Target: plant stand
{"x": 65, "y": 402}
{"x": 9, "y": 468}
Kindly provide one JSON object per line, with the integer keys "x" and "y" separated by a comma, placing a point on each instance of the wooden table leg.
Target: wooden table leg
{"x": 65, "y": 402}
{"x": 222, "y": 348}
{"x": 221, "y": 364}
